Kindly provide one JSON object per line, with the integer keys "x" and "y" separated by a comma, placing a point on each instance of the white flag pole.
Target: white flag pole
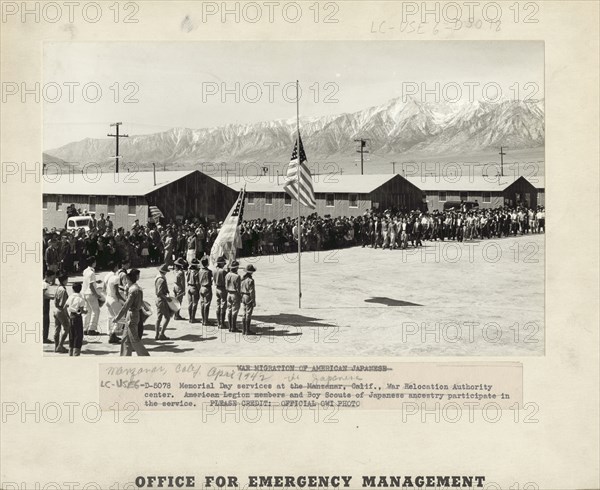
{"x": 299, "y": 237}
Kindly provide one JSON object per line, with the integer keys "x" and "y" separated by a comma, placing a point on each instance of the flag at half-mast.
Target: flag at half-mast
{"x": 229, "y": 238}
{"x": 299, "y": 181}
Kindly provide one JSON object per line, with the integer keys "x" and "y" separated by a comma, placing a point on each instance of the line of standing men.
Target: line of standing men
{"x": 231, "y": 290}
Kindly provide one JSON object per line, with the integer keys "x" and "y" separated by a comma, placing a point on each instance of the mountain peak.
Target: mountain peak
{"x": 393, "y": 128}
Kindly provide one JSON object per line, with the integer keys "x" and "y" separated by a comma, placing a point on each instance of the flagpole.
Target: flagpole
{"x": 298, "y": 196}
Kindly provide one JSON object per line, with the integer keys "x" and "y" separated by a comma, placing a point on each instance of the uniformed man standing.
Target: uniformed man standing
{"x": 248, "y": 299}
{"x": 233, "y": 285}
{"x": 162, "y": 303}
{"x": 193, "y": 292}
{"x": 135, "y": 301}
{"x": 206, "y": 280}
{"x": 221, "y": 291}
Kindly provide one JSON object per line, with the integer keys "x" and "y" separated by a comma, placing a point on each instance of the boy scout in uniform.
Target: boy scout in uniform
{"x": 233, "y": 285}
{"x": 206, "y": 280}
{"x": 162, "y": 305}
{"x": 248, "y": 299}
{"x": 221, "y": 291}
{"x": 193, "y": 282}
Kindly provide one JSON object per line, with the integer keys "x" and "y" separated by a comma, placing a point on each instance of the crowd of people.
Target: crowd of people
{"x": 183, "y": 247}
{"x": 156, "y": 243}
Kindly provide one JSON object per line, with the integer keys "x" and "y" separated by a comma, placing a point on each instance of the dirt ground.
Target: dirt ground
{"x": 445, "y": 299}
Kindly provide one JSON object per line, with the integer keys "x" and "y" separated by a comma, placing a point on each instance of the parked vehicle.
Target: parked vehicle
{"x": 460, "y": 205}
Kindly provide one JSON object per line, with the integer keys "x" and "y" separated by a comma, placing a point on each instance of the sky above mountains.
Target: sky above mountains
{"x": 153, "y": 87}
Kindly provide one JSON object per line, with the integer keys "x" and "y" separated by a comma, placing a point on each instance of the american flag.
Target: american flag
{"x": 229, "y": 240}
{"x": 155, "y": 212}
{"x": 299, "y": 178}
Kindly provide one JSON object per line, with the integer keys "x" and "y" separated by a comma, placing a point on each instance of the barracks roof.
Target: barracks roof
{"x": 463, "y": 183}
{"x": 109, "y": 184}
{"x": 322, "y": 183}
{"x": 537, "y": 181}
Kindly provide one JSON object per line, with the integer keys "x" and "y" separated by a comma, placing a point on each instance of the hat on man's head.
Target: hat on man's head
{"x": 133, "y": 275}
{"x": 221, "y": 260}
{"x": 163, "y": 268}
{"x": 234, "y": 265}
{"x": 250, "y": 268}
{"x": 180, "y": 262}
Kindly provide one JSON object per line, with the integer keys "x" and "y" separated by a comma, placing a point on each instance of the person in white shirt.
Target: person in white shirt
{"x": 91, "y": 295}
{"x": 114, "y": 301}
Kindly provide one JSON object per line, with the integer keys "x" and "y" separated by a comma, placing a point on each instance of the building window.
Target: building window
{"x": 251, "y": 198}
{"x": 353, "y": 200}
{"x": 269, "y": 198}
{"x": 287, "y": 199}
{"x": 464, "y": 196}
{"x": 92, "y": 205}
{"x": 329, "y": 200}
{"x": 44, "y": 201}
{"x": 442, "y": 196}
{"x": 59, "y": 203}
{"x": 131, "y": 206}
{"x": 486, "y": 197}
{"x": 111, "y": 205}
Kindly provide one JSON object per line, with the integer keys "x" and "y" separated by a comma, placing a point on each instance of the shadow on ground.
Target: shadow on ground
{"x": 390, "y": 302}
{"x": 272, "y": 332}
{"x": 292, "y": 320}
{"x": 195, "y": 338}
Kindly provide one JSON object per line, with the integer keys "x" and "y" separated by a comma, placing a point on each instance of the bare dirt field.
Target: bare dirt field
{"x": 445, "y": 299}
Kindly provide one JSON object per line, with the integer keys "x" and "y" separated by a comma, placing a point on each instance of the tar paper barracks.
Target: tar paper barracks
{"x": 183, "y": 194}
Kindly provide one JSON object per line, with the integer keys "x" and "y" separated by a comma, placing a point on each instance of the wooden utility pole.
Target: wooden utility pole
{"x": 502, "y": 162}
{"x": 362, "y": 151}
{"x": 394, "y": 168}
{"x": 117, "y": 136}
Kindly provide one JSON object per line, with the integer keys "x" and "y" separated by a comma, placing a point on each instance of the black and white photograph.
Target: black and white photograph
{"x": 294, "y": 198}
{"x": 311, "y": 244}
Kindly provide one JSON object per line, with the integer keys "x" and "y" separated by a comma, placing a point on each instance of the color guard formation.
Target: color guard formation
{"x": 76, "y": 313}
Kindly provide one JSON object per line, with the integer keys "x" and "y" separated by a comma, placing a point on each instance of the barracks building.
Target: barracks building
{"x": 336, "y": 195}
{"x": 489, "y": 192}
{"x": 126, "y": 197}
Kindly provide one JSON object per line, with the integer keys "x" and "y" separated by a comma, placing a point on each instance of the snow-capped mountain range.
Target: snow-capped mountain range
{"x": 393, "y": 129}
